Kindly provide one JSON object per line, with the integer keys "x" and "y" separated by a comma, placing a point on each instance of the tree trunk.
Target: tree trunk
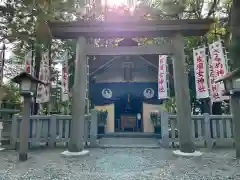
{"x": 235, "y": 29}
{"x": 78, "y": 98}
{"x": 235, "y": 53}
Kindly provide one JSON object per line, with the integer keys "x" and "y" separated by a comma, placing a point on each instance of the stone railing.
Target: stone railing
{"x": 208, "y": 130}
{"x": 6, "y": 116}
{"x": 52, "y": 130}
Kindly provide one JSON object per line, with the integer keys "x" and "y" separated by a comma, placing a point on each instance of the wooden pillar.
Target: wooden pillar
{"x": 182, "y": 94}
{"x": 87, "y": 90}
{"x": 76, "y": 143}
{"x": 24, "y": 129}
{"x": 235, "y": 53}
{"x": 235, "y": 106}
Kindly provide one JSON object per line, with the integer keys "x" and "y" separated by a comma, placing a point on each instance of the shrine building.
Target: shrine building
{"x": 127, "y": 87}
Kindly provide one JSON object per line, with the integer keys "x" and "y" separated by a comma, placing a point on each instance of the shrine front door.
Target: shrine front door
{"x": 127, "y": 113}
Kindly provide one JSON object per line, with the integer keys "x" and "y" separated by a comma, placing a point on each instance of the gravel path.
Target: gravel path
{"x": 119, "y": 164}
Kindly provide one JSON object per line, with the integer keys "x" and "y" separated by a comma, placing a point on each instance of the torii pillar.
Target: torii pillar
{"x": 184, "y": 119}
{"x": 76, "y": 143}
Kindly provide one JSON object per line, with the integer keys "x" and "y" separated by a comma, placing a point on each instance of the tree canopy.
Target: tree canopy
{"x": 24, "y": 23}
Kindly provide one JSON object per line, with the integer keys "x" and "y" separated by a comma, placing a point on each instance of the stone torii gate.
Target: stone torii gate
{"x": 176, "y": 30}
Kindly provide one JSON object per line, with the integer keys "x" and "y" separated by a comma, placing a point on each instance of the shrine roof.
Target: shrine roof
{"x": 129, "y": 28}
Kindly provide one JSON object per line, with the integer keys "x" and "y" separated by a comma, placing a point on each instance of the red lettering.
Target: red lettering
{"x": 212, "y": 81}
{"x": 161, "y": 75}
{"x": 214, "y": 87}
{"x": 201, "y": 88}
{"x": 161, "y": 89}
{"x": 28, "y": 67}
{"x": 161, "y": 67}
{"x": 211, "y": 73}
{"x": 161, "y": 81}
{"x": 217, "y": 58}
{"x": 200, "y": 66}
{"x": 215, "y": 95}
{"x": 200, "y": 73}
{"x": 220, "y": 72}
{"x": 199, "y": 59}
{"x": 218, "y": 65}
{"x": 200, "y": 80}
{"x": 161, "y": 61}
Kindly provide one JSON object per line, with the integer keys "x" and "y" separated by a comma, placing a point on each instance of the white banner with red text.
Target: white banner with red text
{"x": 162, "y": 78}
{"x": 29, "y": 67}
{"x": 1, "y": 66}
{"x": 200, "y": 71}
{"x": 65, "y": 90}
{"x": 43, "y": 91}
{"x": 217, "y": 69}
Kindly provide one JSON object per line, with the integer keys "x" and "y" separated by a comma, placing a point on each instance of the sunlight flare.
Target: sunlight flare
{"x": 118, "y": 2}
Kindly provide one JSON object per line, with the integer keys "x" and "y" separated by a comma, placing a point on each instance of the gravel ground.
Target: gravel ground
{"x": 119, "y": 164}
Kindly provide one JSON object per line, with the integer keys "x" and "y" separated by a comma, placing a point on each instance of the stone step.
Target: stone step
{"x": 129, "y": 135}
{"x": 124, "y": 142}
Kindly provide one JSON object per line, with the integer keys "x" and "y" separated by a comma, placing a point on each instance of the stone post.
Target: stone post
{"x": 207, "y": 131}
{"x": 235, "y": 106}
{"x": 13, "y": 139}
{"x": 164, "y": 129}
{"x": 53, "y": 131}
{"x": 1, "y": 128}
{"x": 24, "y": 129}
{"x": 182, "y": 94}
{"x": 76, "y": 143}
{"x": 93, "y": 128}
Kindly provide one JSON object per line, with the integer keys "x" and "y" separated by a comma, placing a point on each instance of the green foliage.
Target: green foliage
{"x": 102, "y": 117}
{"x": 170, "y": 105}
{"x": 12, "y": 99}
{"x": 155, "y": 118}
{"x": 24, "y": 25}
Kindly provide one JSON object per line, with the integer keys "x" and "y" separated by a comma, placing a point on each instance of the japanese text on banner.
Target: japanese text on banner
{"x": 65, "y": 91}
{"x": 200, "y": 61}
{"x": 162, "y": 77}
{"x": 43, "y": 91}
{"x": 28, "y": 62}
{"x": 217, "y": 68}
{"x": 1, "y": 66}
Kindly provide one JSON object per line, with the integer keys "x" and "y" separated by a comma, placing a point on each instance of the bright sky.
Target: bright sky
{"x": 115, "y": 2}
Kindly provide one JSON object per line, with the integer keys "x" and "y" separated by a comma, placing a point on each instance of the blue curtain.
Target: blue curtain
{"x": 108, "y": 93}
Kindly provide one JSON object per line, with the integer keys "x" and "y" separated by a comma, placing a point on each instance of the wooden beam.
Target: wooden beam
{"x": 148, "y": 62}
{"x": 110, "y": 29}
{"x": 133, "y": 50}
{"x": 104, "y": 65}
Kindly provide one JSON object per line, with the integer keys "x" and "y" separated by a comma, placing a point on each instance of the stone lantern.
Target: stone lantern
{"x": 28, "y": 85}
{"x": 232, "y": 88}
{"x": 231, "y": 83}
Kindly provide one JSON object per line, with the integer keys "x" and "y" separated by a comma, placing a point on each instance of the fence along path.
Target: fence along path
{"x": 208, "y": 130}
{"x": 50, "y": 130}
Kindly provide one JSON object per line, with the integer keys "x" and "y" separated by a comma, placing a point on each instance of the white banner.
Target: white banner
{"x": 217, "y": 68}
{"x": 1, "y": 66}
{"x": 162, "y": 77}
{"x": 28, "y": 62}
{"x": 65, "y": 90}
{"x": 200, "y": 71}
{"x": 43, "y": 91}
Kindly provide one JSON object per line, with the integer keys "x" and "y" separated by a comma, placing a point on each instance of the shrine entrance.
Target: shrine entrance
{"x": 128, "y": 114}
{"x": 84, "y": 31}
